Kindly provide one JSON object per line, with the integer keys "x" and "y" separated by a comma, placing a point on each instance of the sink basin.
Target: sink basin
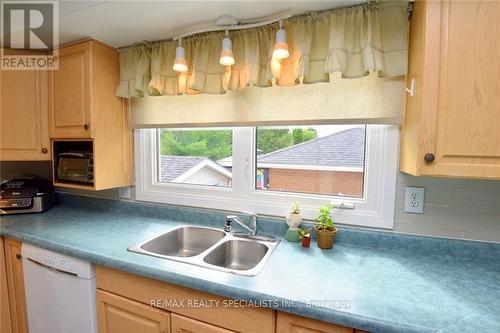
{"x": 212, "y": 248}
{"x": 183, "y": 241}
{"x": 237, "y": 254}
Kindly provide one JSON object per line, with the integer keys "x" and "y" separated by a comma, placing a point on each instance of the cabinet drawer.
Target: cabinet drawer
{"x": 182, "y": 324}
{"x": 147, "y": 291}
{"x": 288, "y": 323}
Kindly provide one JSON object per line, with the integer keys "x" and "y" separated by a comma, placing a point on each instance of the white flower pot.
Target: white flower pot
{"x": 293, "y": 220}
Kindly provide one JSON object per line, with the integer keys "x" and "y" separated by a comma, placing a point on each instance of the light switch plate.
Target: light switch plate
{"x": 414, "y": 200}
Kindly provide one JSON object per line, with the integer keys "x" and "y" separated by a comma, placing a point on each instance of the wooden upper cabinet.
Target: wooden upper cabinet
{"x": 288, "y": 323}
{"x": 83, "y": 107}
{"x": 454, "y": 115}
{"x": 82, "y": 101}
{"x": 24, "y": 132}
{"x": 121, "y": 315}
{"x": 15, "y": 283}
{"x": 70, "y": 93}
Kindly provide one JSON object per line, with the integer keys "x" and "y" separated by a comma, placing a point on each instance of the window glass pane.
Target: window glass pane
{"x": 326, "y": 159}
{"x": 191, "y": 156}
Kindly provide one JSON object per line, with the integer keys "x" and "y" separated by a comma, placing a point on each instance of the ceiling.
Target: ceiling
{"x": 122, "y": 23}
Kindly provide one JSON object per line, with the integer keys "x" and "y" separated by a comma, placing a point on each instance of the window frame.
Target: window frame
{"x": 372, "y": 210}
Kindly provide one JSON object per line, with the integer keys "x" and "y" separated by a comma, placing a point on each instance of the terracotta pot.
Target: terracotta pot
{"x": 326, "y": 237}
{"x": 306, "y": 241}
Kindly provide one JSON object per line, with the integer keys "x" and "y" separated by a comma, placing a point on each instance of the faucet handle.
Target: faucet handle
{"x": 253, "y": 220}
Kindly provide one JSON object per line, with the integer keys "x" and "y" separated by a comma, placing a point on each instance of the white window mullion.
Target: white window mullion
{"x": 243, "y": 161}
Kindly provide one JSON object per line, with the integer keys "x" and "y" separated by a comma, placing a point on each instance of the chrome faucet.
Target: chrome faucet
{"x": 252, "y": 229}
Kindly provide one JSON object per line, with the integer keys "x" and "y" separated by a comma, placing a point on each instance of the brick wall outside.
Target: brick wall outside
{"x": 320, "y": 182}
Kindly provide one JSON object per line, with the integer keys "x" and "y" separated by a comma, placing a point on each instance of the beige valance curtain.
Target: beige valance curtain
{"x": 354, "y": 41}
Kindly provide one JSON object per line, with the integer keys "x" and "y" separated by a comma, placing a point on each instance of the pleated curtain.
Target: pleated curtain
{"x": 354, "y": 41}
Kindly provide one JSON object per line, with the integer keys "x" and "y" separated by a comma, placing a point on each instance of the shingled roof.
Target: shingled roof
{"x": 173, "y": 166}
{"x": 341, "y": 149}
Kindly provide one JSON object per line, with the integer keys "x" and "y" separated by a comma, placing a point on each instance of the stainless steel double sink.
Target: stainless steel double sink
{"x": 236, "y": 253}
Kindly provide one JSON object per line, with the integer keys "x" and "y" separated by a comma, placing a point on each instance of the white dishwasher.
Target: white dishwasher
{"x": 60, "y": 292}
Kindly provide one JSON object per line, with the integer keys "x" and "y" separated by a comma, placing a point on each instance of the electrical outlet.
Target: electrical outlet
{"x": 414, "y": 200}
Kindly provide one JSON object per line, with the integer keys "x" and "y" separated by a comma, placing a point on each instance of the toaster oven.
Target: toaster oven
{"x": 77, "y": 167}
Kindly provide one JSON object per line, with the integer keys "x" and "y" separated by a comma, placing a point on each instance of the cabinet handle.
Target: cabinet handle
{"x": 18, "y": 256}
{"x": 429, "y": 157}
{"x": 86, "y": 126}
{"x": 45, "y": 150}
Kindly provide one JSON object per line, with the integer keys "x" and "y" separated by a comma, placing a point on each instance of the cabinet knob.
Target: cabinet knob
{"x": 18, "y": 256}
{"x": 45, "y": 150}
{"x": 429, "y": 157}
{"x": 86, "y": 126}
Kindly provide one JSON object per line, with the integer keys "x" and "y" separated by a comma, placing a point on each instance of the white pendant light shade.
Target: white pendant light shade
{"x": 180, "y": 63}
{"x": 280, "y": 47}
{"x": 226, "y": 56}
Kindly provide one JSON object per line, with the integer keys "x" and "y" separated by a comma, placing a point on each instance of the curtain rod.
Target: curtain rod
{"x": 269, "y": 20}
{"x": 265, "y": 21}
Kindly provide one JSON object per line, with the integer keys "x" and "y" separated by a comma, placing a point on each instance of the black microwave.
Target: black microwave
{"x": 76, "y": 167}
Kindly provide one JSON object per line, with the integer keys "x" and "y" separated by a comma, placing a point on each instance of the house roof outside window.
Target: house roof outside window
{"x": 340, "y": 151}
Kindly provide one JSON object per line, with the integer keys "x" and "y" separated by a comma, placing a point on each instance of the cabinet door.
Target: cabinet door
{"x": 70, "y": 93}
{"x": 24, "y": 129}
{"x": 15, "y": 283}
{"x": 5, "y": 323}
{"x": 462, "y": 132}
{"x": 288, "y": 323}
{"x": 182, "y": 324}
{"x": 117, "y": 314}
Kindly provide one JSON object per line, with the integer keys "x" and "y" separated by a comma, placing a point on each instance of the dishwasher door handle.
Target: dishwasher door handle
{"x": 52, "y": 268}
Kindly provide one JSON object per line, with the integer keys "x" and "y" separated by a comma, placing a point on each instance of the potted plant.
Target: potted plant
{"x": 293, "y": 219}
{"x": 305, "y": 236}
{"x": 325, "y": 229}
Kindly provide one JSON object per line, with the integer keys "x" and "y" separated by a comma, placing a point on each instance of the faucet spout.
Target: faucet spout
{"x": 252, "y": 229}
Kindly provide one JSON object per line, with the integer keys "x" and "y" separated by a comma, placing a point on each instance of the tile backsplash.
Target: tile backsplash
{"x": 457, "y": 208}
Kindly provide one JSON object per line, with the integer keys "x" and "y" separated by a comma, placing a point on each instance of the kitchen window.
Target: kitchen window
{"x": 324, "y": 160}
{"x": 265, "y": 169}
{"x": 189, "y": 156}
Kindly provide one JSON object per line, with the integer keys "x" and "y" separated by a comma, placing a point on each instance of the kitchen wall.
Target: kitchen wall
{"x": 457, "y": 208}
{"x": 11, "y": 169}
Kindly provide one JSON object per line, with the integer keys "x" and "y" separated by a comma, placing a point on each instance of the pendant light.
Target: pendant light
{"x": 180, "y": 63}
{"x": 226, "y": 56}
{"x": 280, "y": 47}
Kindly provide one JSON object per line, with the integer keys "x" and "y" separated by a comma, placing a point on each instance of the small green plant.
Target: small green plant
{"x": 324, "y": 221}
{"x": 295, "y": 208}
{"x": 304, "y": 232}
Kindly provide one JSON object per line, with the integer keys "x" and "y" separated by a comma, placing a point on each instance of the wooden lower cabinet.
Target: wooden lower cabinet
{"x": 118, "y": 314}
{"x": 220, "y": 312}
{"x": 288, "y": 323}
{"x": 15, "y": 286}
{"x": 5, "y": 322}
{"x": 181, "y": 324}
